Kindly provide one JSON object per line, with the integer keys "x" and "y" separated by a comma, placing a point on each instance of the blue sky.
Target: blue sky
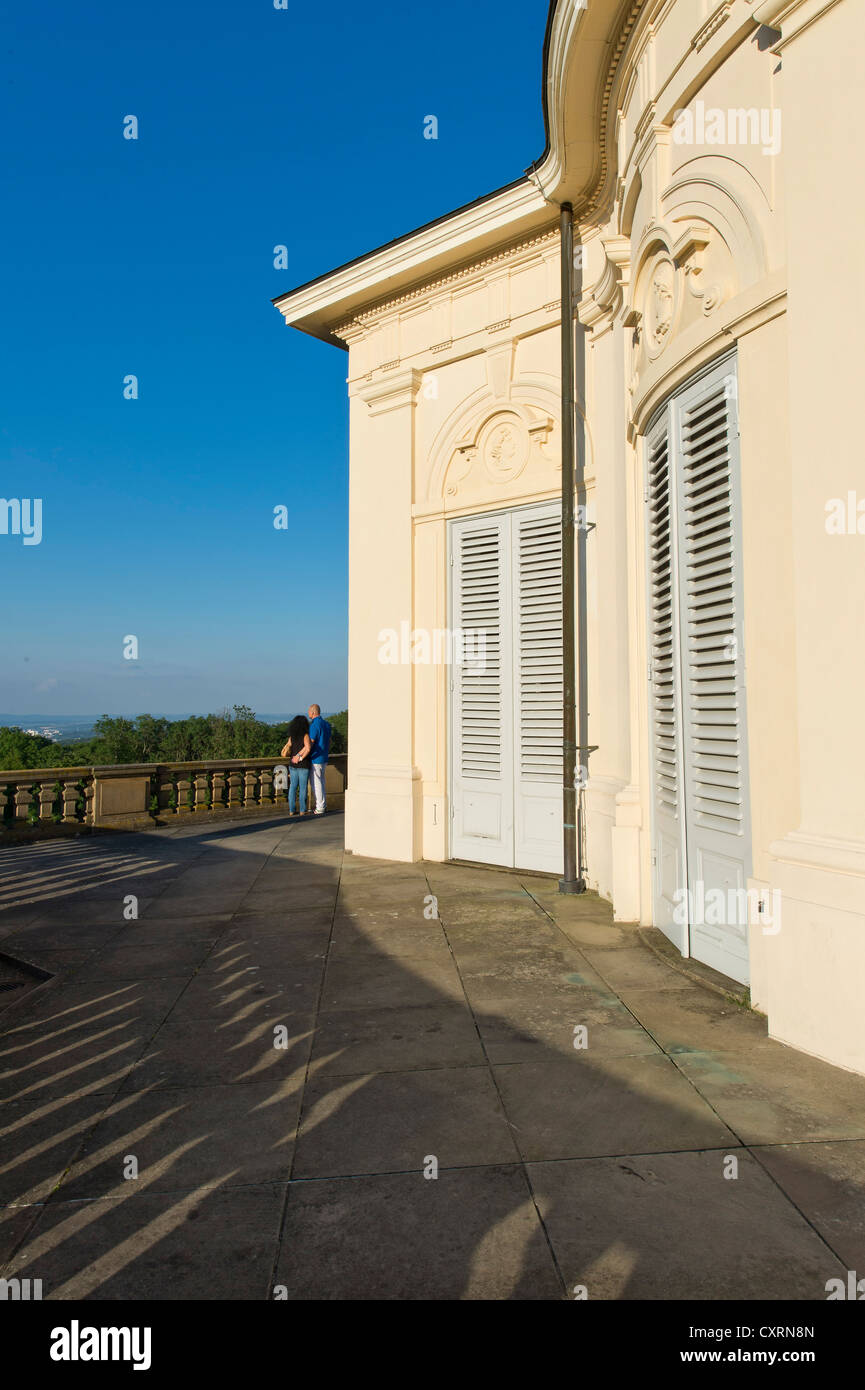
{"x": 155, "y": 258}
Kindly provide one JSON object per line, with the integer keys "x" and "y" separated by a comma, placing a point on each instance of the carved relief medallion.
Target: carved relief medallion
{"x": 662, "y": 303}
{"x": 504, "y": 447}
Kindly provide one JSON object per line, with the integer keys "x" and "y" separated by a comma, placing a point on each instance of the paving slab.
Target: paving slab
{"x": 188, "y": 1138}
{"x": 420, "y": 1036}
{"x": 596, "y": 1106}
{"x": 633, "y": 967}
{"x": 67, "y": 962}
{"x": 200, "y": 1052}
{"x": 90, "y": 911}
{"x": 61, "y": 936}
{"x": 525, "y": 932}
{"x": 68, "y": 1004}
{"x": 15, "y": 1222}
{"x": 584, "y": 931}
{"x": 696, "y": 1020}
{"x": 268, "y": 952}
{"x": 193, "y": 904}
{"x": 778, "y": 1095}
{"x": 670, "y": 1226}
{"x": 91, "y": 1061}
{"x": 228, "y": 1003}
{"x": 392, "y": 1121}
{"x": 168, "y": 958}
{"x": 543, "y": 1027}
{"x": 190, "y": 931}
{"x": 211, "y": 1243}
{"x": 364, "y": 982}
{"x": 526, "y": 972}
{"x": 469, "y": 1234}
{"x": 281, "y": 899}
{"x": 419, "y": 938}
{"x": 37, "y": 1145}
{"x": 826, "y": 1182}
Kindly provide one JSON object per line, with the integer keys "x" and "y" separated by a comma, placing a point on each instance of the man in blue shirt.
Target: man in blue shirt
{"x": 319, "y": 733}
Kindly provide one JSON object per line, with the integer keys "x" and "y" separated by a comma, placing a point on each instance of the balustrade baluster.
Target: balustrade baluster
{"x": 266, "y": 795}
{"x": 233, "y": 789}
{"x": 166, "y": 794}
{"x": 69, "y": 792}
{"x": 47, "y": 796}
{"x": 218, "y": 790}
{"x": 184, "y": 787}
{"x": 23, "y": 799}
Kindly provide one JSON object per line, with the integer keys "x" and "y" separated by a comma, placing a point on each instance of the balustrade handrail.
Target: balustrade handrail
{"x": 34, "y": 774}
{"x": 133, "y": 794}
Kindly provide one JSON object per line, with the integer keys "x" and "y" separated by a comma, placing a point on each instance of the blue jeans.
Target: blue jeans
{"x": 298, "y": 781}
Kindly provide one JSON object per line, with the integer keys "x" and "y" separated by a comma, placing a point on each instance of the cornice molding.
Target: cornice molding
{"x": 393, "y": 392}
{"x": 719, "y": 16}
{"x": 791, "y": 17}
{"x": 356, "y": 326}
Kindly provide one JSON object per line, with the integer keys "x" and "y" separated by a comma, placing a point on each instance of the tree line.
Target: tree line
{"x": 235, "y": 733}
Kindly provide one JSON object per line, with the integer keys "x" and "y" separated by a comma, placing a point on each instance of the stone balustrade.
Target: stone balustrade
{"x": 136, "y": 795}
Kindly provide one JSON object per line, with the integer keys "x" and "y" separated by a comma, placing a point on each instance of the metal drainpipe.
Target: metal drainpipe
{"x": 572, "y": 880}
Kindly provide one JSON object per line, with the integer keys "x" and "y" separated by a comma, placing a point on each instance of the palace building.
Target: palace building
{"x": 710, "y": 152}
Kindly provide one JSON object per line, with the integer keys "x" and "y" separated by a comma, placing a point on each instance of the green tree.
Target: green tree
{"x": 117, "y": 740}
{"x": 339, "y": 725}
{"x": 18, "y": 749}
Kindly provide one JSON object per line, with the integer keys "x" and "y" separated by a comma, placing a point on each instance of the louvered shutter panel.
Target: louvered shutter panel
{"x": 481, "y": 559}
{"x": 700, "y": 813}
{"x": 715, "y": 761}
{"x": 539, "y": 648}
{"x": 537, "y": 605}
{"x": 482, "y": 756}
{"x": 668, "y": 828}
{"x": 663, "y": 657}
{"x": 717, "y": 818}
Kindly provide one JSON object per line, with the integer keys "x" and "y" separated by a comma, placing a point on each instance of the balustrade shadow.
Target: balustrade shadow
{"x": 285, "y": 1076}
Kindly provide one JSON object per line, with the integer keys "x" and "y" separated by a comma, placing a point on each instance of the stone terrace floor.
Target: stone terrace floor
{"x": 405, "y": 1041}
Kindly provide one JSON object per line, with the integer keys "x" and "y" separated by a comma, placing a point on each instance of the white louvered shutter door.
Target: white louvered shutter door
{"x": 482, "y": 753}
{"x": 715, "y": 744}
{"x": 537, "y": 734}
{"x": 668, "y": 824}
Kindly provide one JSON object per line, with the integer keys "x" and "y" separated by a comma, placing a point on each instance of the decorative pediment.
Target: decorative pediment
{"x": 684, "y": 272}
{"x": 505, "y": 447}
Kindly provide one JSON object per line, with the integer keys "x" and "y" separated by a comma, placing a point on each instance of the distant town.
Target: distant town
{"x": 78, "y": 728}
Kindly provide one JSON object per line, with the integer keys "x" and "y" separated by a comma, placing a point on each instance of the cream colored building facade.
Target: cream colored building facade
{"x": 710, "y": 150}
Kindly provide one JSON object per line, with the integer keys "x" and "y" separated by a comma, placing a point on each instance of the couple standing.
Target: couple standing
{"x": 308, "y": 746}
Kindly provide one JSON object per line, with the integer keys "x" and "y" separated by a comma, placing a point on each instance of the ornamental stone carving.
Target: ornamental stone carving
{"x": 661, "y": 306}
{"x": 504, "y": 448}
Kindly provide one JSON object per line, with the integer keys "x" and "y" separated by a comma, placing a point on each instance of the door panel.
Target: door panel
{"x": 482, "y": 766}
{"x": 506, "y": 744}
{"x": 701, "y": 823}
{"x": 715, "y": 754}
{"x": 537, "y": 600}
{"x": 668, "y": 828}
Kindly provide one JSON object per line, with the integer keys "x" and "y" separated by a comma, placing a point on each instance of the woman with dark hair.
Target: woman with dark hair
{"x": 299, "y": 747}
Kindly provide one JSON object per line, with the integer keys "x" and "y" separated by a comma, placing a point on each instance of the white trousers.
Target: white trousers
{"x": 318, "y": 785}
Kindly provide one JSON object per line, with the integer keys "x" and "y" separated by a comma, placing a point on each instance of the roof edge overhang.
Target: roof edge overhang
{"x": 578, "y": 44}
